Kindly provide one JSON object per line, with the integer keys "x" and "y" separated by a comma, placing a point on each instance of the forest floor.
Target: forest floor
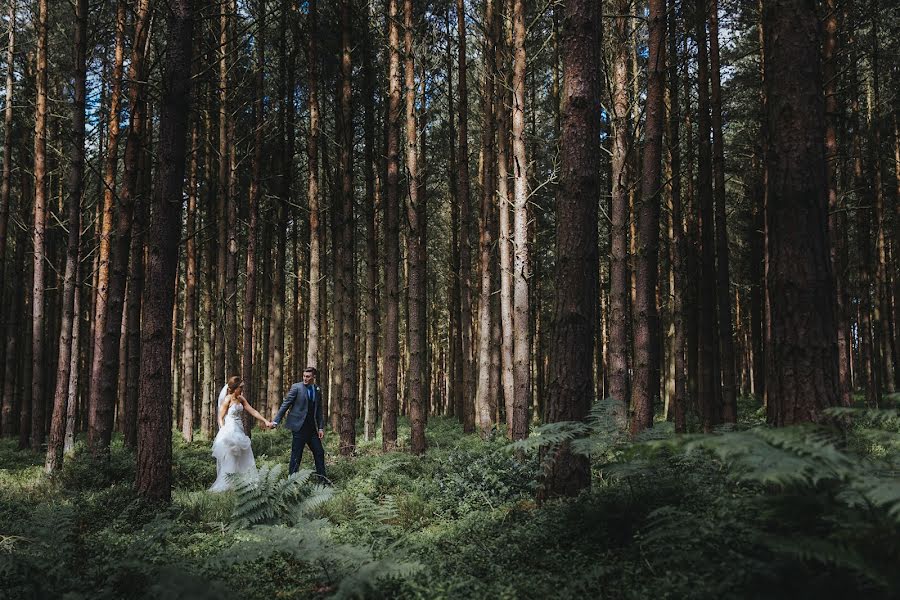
{"x": 752, "y": 513}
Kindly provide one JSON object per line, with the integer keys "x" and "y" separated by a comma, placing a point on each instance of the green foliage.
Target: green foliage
{"x": 269, "y": 499}
{"x": 805, "y": 512}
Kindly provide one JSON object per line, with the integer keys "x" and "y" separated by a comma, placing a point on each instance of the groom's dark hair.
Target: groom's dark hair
{"x": 311, "y": 370}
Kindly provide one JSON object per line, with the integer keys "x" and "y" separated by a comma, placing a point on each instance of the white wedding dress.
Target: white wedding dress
{"x": 232, "y": 450}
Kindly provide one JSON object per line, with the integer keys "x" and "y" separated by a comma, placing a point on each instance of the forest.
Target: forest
{"x": 567, "y": 298}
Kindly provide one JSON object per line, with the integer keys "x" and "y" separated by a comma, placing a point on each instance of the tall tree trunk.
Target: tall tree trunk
{"x": 312, "y": 149}
{"x": 347, "y": 228}
{"x": 136, "y": 291}
{"x": 465, "y": 396}
{"x": 190, "y": 294}
{"x": 454, "y": 362}
{"x": 522, "y": 266}
{"x": 645, "y": 390}
{"x": 76, "y": 188}
{"x": 618, "y": 285}
{"x": 101, "y": 401}
{"x": 254, "y": 201}
{"x": 392, "y": 238}
{"x": 710, "y": 399}
{"x": 803, "y": 375}
{"x": 723, "y": 270}
{"x": 837, "y": 217}
{"x": 504, "y": 240}
{"x": 416, "y": 282}
{"x": 372, "y": 201}
{"x": 74, "y": 370}
{"x": 570, "y": 384}
{"x": 39, "y": 233}
{"x": 222, "y": 197}
{"x": 7, "y": 141}
{"x": 871, "y": 373}
{"x": 483, "y": 391}
{"x": 679, "y": 249}
{"x": 884, "y": 345}
{"x": 154, "y": 460}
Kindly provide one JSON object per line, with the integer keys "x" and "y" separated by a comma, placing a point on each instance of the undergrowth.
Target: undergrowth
{"x": 749, "y": 513}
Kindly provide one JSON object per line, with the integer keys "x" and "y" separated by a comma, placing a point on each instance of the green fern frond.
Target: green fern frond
{"x": 824, "y": 552}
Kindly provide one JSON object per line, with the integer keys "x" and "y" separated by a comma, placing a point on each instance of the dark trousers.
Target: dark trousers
{"x": 307, "y": 436}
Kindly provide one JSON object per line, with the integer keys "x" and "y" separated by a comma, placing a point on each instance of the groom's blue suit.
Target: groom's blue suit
{"x": 303, "y": 406}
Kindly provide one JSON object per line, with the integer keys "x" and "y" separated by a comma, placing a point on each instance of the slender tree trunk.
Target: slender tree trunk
{"x": 7, "y": 141}
{"x": 871, "y": 374}
{"x": 154, "y": 460}
{"x": 522, "y": 266}
{"x": 837, "y": 218}
{"x": 39, "y": 234}
{"x": 255, "y": 196}
{"x": 884, "y": 345}
{"x": 710, "y": 399}
{"x": 618, "y": 294}
{"x": 101, "y": 400}
{"x": 372, "y": 201}
{"x": 504, "y": 237}
{"x": 466, "y": 395}
{"x": 645, "y": 390}
{"x": 74, "y": 372}
{"x": 803, "y": 373}
{"x": 136, "y": 291}
{"x": 454, "y": 366}
{"x": 723, "y": 270}
{"x": 571, "y": 384}
{"x": 312, "y": 148}
{"x": 679, "y": 250}
{"x": 190, "y": 294}
{"x": 416, "y": 282}
{"x": 483, "y": 391}
{"x": 76, "y": 188}
{"x": 347, "y": 229}
{"x": 392, "y": 238}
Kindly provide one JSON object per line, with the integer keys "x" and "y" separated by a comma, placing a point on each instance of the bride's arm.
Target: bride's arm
{"x": 253, "y": 411}
{"x": 222, "y": 410}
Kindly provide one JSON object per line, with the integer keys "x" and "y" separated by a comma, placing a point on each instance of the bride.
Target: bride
{"x": 231, "y": 448}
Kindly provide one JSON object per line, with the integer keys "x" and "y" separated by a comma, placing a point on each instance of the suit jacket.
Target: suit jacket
{"x": 297, "y": 405}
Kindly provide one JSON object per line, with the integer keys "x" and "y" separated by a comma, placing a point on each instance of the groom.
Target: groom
{"x": 303, "y": 406}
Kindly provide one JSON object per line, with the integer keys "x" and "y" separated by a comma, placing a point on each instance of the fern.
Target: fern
{"x": 270, "y": 499}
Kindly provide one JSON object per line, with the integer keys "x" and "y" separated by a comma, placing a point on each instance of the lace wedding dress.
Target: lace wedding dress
{"x": 232, "y": 450}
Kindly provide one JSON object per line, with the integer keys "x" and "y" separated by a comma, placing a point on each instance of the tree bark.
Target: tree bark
{"x": 723, "y": 269}
{"x": 415, "y": 252}
{"x": 101, "y": 397}
{"x": 154, "y": 460}
{"x": 392, "y": 238}
{"x": 618, "y": 290}
{"x": 483, "y": 390}
{"x": 522, "y": 260}
{"x": 645, "y": 390}
{"x": 39, "y": 233}
{"x": 709, "y": 392}
{"x": 465, "y": 396}
{"x": 312, "y": 148}
{"x": 7, "y": 142}
{"x": 372, "y": 202}
{"x": 571, "y": 384}
{"x": 189, "y": 357}
{"x": 803, "y": 371}
{"x": 76, "y": 188}
{"x": 837, "y": 217}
